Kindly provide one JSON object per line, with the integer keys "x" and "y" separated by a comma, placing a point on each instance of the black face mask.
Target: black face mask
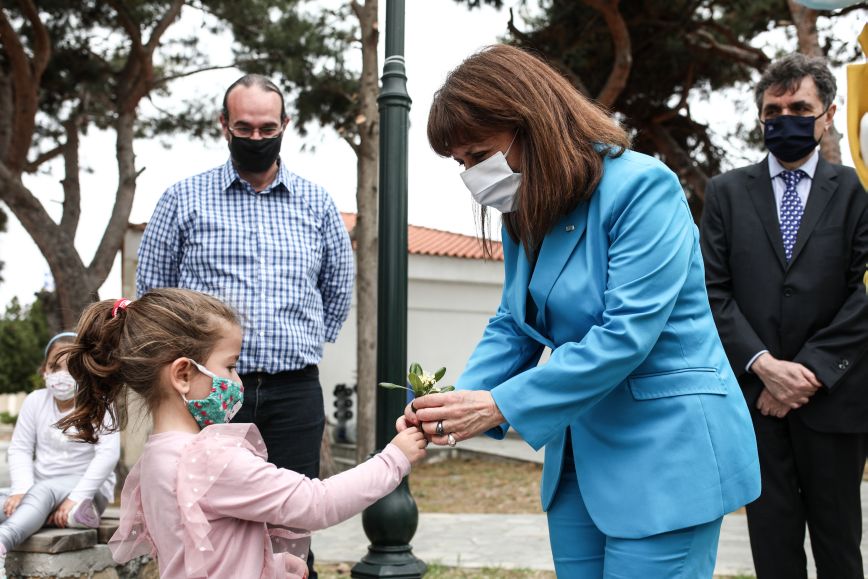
{"x": 255, "y": 156}
{"x": 790, "y": 137}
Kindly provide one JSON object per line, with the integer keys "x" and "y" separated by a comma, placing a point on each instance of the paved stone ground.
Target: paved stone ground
{"x": 521, "y": 541}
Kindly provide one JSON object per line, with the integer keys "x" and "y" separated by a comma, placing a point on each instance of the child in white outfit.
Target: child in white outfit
{"x": 55, "y": 480}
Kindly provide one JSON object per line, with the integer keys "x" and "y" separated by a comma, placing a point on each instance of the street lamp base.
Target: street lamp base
{"x": 395, "y": 562}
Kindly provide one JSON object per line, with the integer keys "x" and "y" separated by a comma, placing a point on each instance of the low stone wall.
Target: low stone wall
{"x": 92, "y": 563}
{"x": 75, "y": 554}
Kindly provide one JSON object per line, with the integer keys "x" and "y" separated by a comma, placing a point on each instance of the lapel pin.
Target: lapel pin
{"x": 570, "y": 227}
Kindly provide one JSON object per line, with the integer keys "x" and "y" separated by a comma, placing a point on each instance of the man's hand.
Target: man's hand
{"x": 12, "y": 503}
{"x": 768, "y": 405}
{"x": 788, "y": 382}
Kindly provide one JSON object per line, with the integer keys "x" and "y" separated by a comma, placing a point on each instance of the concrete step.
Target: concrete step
{"x": 58, "y": 541}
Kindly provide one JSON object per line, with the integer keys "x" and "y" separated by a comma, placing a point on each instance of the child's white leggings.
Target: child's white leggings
{"x": 35, "y": 507}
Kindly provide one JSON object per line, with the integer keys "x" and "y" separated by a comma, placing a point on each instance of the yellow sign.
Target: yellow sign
{"x": 857, "y": 112}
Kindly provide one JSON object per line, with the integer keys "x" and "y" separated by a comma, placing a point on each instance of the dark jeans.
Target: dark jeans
{"x": 287, "y": 407}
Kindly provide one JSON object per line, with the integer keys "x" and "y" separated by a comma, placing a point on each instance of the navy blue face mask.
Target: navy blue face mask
{"x": 790, "y": 137}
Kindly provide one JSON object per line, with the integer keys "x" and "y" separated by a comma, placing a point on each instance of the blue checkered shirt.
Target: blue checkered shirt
{"x": 281, "y": 257}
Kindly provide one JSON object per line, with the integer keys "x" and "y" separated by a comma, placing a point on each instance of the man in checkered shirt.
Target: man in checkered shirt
{"x": 272, "y": 245}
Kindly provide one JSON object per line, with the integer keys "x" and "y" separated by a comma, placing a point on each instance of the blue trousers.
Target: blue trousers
{"x": 582, "y": 551}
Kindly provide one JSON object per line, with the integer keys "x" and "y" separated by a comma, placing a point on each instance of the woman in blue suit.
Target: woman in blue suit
{"x": 648, "y": 439}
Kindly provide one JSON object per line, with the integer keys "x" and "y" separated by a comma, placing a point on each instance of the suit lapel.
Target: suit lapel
{"x": 763, "y": 198}
{"x": 519, "y": 291}
{"x": 556, "y": 249}
{"x": 823, "y": 186}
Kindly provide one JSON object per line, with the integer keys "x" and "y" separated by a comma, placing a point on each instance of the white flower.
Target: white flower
{"x": 428, "y": 379}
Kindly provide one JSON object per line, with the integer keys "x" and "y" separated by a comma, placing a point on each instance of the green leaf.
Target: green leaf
{"x": 415, "y": 368}
{"x": 439, "y": 374}
{"x": 415, "y": 381}
{"x": 393, "y": 386}
{"x": 447, "y": 389}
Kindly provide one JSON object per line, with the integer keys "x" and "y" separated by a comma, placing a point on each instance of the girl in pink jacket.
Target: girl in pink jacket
{"x": 202, "y": 498}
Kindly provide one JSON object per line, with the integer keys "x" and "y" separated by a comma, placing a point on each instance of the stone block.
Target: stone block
{"x": 58, "y": 541}
{"x": 94, "y": 563}
{"x": 107, "y": 528}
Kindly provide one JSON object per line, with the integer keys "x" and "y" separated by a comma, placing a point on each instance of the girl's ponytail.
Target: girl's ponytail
{"x": 123, "y": 344}
{"x": 94, "y": 362}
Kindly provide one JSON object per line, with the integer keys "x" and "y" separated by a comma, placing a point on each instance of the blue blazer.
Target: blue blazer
{"x": 661, "y": 434}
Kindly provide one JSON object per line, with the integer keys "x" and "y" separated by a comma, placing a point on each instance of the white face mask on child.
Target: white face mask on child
{"x": 60, "y": 384}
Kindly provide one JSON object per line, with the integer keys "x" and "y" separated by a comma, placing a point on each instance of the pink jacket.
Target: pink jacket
{"x": 207, "y": 504}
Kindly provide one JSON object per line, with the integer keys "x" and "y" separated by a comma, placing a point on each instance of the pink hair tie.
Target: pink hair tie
{"x": 120, "y": 304}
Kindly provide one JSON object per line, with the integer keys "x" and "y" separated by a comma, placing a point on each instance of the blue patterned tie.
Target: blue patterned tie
{"x": 791, "y": 210}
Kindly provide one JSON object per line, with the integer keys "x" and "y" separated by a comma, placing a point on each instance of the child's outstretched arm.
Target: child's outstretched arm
{"x": 250, "y": 488}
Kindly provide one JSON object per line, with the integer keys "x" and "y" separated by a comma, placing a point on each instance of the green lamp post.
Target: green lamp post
{"x": 391, "y": 522}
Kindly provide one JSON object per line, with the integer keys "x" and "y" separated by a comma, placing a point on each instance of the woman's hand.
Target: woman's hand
{"x": 12, "y": 502}
{"x": 463, "y": 414}
{"x": 60, "y": 516}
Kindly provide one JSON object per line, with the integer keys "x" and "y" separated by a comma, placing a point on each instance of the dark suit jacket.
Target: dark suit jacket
{"x": 813, "y": 310}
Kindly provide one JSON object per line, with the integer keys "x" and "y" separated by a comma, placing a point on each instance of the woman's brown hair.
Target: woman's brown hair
{"x": 564, "y": 136}
{"x": 130, "y": 349}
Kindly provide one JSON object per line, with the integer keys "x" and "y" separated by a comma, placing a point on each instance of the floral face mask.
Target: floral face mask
{"x": 222, "y": 403}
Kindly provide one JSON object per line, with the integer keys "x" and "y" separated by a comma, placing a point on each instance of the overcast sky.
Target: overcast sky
{"x": 439, "y": 34}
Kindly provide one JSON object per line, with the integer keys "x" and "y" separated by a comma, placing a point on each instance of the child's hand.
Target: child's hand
{"x": 12, "y": 502}
{"x": 412, "y": 443}
{"x": 59, "y": 517}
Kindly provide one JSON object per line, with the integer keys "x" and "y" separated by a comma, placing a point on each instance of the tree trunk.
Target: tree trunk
{"x": 366, "y": 232}
{"x": 805, "y": 20}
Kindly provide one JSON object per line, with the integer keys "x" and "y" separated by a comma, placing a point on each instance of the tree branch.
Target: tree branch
{"x": 685, "y": 92}
{"x": 41, "y": 40}
{"x": 741, "y": 53}
{"x": 556, "y": 62}
{"x": 623, "y": 57}
{"x": 166, "y": 79}
{"x": 24, "y": 92}
{"x": 170, "y": 16}
{"x": 104, "y": 257}
{"x": 44, "y": 157}
{"x": 353, "y": 145}
{"x": 128, "y": 24}
{"x": 71, "y": 182}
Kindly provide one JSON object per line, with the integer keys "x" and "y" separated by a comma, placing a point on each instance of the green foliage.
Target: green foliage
{"x": 23, "y": 335}
{"x": 421, "y": 382}
{"x": 304, "y": 52}
{"x": 6, "y": 418}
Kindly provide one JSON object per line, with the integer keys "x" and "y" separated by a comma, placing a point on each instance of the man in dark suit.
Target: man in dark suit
{"x": 785, "y": 244}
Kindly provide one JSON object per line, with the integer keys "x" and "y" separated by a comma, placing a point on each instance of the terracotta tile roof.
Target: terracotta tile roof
{"x": 427, "y": 241}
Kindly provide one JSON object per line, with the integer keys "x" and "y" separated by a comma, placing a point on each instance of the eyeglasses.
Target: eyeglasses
{"x": 245, "y": 132}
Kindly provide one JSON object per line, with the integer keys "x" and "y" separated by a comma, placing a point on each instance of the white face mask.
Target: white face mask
{"x": 60, "y": 384}
{"x": 493, "y": 183}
